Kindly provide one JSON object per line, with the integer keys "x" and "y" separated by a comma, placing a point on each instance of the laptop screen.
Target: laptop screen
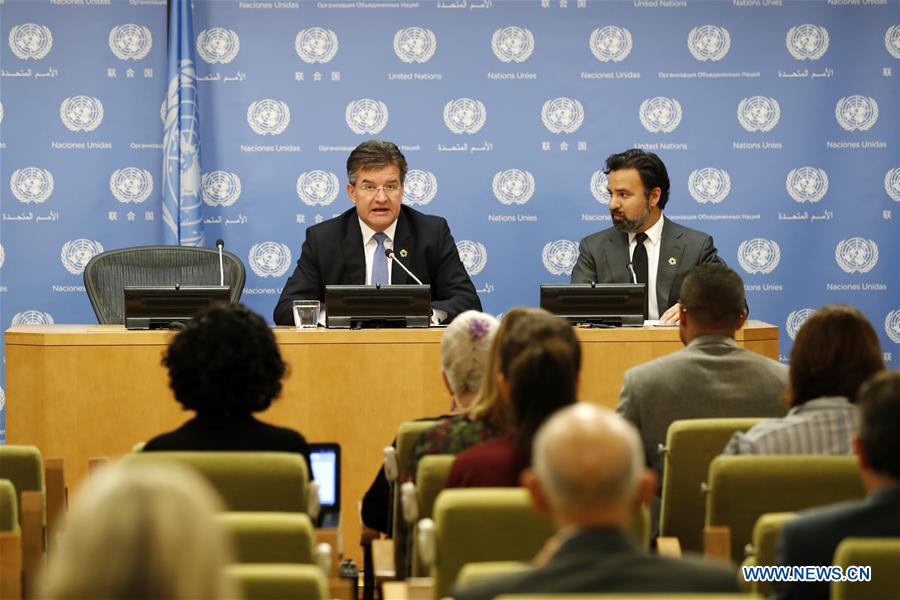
{"x": 325, "y": 460}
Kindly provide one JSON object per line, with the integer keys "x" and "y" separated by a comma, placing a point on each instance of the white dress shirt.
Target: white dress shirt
{"x": 369, "y": 245}
{"x": 652, "y": 243}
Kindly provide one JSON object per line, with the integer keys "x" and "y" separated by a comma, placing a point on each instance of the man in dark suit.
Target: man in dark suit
{"x": 588, "y": 474}
{"x": 643, "y": 246}
{"x": 350, "y": 248}
{"x": 813, "y": 536}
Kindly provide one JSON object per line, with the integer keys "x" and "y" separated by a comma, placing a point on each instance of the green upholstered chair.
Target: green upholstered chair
{"x": 246, "y": 481}
{"x": 9, "y": 507}
{"x": 23, "y": 466}
{"x": 883, "y": 555}
{"x": 741, "y": 488}
{"x": 431, "y": 477}
{"x": 279, "y": 581}
{"x": 690, "y": 596}
{"x": 270, "y": 537}
{"x": 766, "y": 533}
{"x": 473, "y": 572}
{"x": 690, "y": 446}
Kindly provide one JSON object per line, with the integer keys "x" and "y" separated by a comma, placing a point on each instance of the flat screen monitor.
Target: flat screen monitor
{"x": 325, "y": 461}
{"x": 598, "y": 304}
{"x": 169, "y": 307}
{"x": 363, "y": 306}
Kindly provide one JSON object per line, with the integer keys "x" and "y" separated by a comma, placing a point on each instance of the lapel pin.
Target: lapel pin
{"x": 404, "y": 253}
{"x": 672, "y": 261}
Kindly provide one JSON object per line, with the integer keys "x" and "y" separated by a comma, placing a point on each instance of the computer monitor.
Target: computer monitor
{"x": 325, "y": 461}
{"x": 169, "y": 307}
{"x": 597, "y": 304}
{"x": 377, "y": 306}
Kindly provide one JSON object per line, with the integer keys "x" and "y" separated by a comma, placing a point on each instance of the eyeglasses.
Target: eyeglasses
{"x": 389, "y": 189}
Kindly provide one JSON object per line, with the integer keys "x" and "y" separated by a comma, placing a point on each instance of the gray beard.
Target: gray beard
{"x": 632, "y": 225}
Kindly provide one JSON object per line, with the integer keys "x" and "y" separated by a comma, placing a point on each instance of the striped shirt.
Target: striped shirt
{"x": 821, "y": 426}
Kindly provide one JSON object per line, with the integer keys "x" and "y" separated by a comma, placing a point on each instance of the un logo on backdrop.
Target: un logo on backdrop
{"x": 420, "y": 187}
{"x": 807, "y": 42}
{"x": 81, "y": 113}
{"x": 560, "y": 257}
{"x": 30, "y": 40}
{"x": 795, "y": 319}
{"x": 366, "y": 116}
{"x": 513, "y": 186}
{"x": 709, "y": 185}
{"x": 758, "y": 113}
{"x": 218, "y": 45}
{"x": 317, "y": 188}
{"x": 32, "y": 317}
{"x": 130, "y": 41}
{"x": 598, "y": 187}
{"x": 268, "y": 116}
{"x": 75, "y": 254}
{"x": 856, "y": 255}
{"x": 316, "y": 45}
{"x": 465, "y": 115}
{"x": 892, "y": 40}
{"x": 562, "y": 115}
{"x": 269, "y": 259}
{"x": 512, "y": 44}
{"x": 856, "y": 113}
{"x": 31, "y": 184}
{"x": 892, "y": 325}
{"x": 660, "y": 114}
{"x": 473, "y": 256}
{"x": 758, "y": 255}
{"x": 415, "y": 44}
{"x": 220, "y": 188}
{"x": 892, "y": 183}
{"x": 807, "y": 184}
{"x": 611, "y": 43}
{"x": 131, "y": 185}
{"x": 709, "y": 42}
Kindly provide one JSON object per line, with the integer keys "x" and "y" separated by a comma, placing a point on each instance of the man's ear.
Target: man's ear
{"x": 647, "y": 486}
{"x": 742, "y": 319}
{"x": 351, "y": 192}
{"x": 654, "y": 196}
{"x": 538, "y": 498}
{"x": 860, "y": 452}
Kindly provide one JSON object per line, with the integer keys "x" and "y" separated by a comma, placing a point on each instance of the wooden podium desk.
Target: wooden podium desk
{"x": 79, "y": 391}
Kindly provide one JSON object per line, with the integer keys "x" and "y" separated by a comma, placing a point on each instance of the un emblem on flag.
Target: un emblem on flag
{"x": 856, "y": 113}
{"x": 75, "y": 254}
{"x": 598, "y": 187}
{"x": 807, "y": 42}
{"x": 559, "y": 257}
{"x": 465, "y": 115}
{"x": 611, "y": 43}
{"x": 131, "y": 185}
{"x": 758, "y": 255}
{"x": 856, "y": 255}
{"x": 892, "y": 325}
{"x": 30, "y": 40}
{"x": 268, "y": 116}
{"x": 220, "y": 188}
{"x": 513, "y": 186}
{"x": 758, "y": 113}
{"x": 473, "y": 256}
{"x": 269, "y": 259}
{"x": 709, "y": 42}
{"x": 512, "y": 44}
{"x": 709, "y": 185}
{"x": 31, "y": 184}
{"x": 32, "y": 317}
{"x": 317, "y": 188}
{"x": 316, "y": 45}
{"x": 130, "y": 41}
{"x": 218, "y": 45}
{"x": 807, "y": 184}
{"x": 892, "y": 40}
{"x": 660, "y": 114}
{"x": 892, "y": 183}
{"x": 366, "y": 116}
{"x": 420, "y": 187}
{"x": 795, "y": 319}
{"x": 415, "y": 44}
{"x": 562, "y": 115}
{"x": 81, "y": 113}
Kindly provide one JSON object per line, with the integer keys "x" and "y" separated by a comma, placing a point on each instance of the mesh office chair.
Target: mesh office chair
{"x": 108, "y": 273}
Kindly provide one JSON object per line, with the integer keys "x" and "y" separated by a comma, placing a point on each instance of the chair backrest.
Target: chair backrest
{"x": 246, "y": 481}
{"x": 474, "y": 572}
{"x": 741, "y": 488}
{"x": 9, "y": 506}
{"x": 108, "y": 273}
{"x": 690, "y": 446}
{"x": 766, "y": 534}
{"x": 279, "y": 581}
{"x": 23, "y": 466}
{"x": 882, "y": 555}
{"x": 662, "y": 596}
{"x": 431, "y": 478}
{"x": 270, "y": 537}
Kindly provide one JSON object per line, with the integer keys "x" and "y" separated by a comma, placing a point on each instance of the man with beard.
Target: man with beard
{"x": 643, "y": 246}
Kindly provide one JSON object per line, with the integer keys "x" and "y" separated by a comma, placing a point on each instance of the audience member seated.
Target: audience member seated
{"x": 225, "y": 366}
{"x": 589, "y": 476}
{"x": 539, "y": 363}
{"x": 812, "y": 537}
{"x": 836, "y": 350}
{"x": 465, "y": 346}
{"x": 141, "y": 532}
{"x": 711, "y": 377}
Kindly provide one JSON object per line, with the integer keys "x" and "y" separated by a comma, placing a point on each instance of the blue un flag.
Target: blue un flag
{"x": 182, "y": 209}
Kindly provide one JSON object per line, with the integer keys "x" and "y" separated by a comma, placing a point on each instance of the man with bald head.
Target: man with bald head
{"x": 588, "y": 475}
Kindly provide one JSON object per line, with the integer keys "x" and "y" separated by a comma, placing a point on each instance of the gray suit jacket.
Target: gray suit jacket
{"x": 603, "y": 258}
{"x": 712, "y": 377}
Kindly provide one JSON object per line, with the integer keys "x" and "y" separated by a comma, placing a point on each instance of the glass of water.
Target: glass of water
{"x": 306, "y": 314}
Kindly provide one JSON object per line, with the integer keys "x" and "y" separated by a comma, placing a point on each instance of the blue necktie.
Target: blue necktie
{"x": 379, "y": 261}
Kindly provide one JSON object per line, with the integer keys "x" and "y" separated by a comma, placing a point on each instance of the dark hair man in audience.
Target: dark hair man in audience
{"x": 588, "y": 475}
{"x": 711, "y": 377}
{"x": 350, "y": 248}
{"x": 813, "y": 536}
{"x": 643, "y": 245}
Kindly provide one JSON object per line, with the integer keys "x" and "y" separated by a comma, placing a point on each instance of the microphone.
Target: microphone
{"x": 390, "y": 254}
{"x": 221, "y": 244}
{"x": 633, "y": 274}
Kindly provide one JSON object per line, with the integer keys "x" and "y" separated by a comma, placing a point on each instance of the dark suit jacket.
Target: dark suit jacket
{"x": 814, "y": 535}
{"x": 603, "y": 258}
{"x": 333, "y": 255}
{"x": 605, "y": 560}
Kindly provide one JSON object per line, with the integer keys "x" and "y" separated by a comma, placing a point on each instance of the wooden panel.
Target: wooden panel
{"x": 10, "y": 565}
